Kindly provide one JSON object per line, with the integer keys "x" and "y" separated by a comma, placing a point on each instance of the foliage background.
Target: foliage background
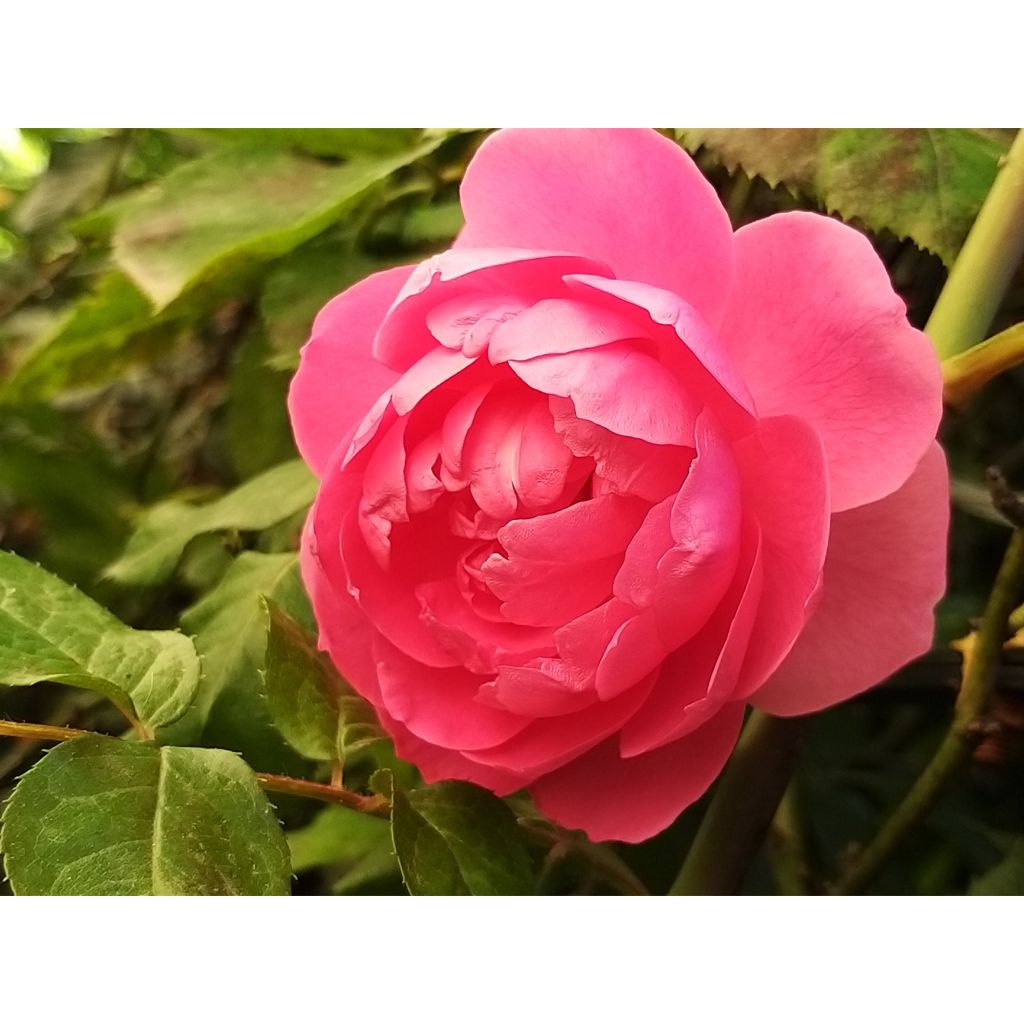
{"x": 155, "y": 288}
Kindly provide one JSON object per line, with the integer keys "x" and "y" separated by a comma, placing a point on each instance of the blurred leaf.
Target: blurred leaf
{"x": 302, "y": 687}
{"x": 77, "y": 178}
{"x": 1006, "y": 878}
{"x": 300, "y": 285}
{"x": 337, "y": 142}
{"x": 237, "y": 205}
{"x": 335, "y": 835}
{"x": 230, "y": 633}
{"x": 433, "y": 226}
{"x": 101, "y": 334}
{"x": 55, "y": 466}
{"x": 455, "y": 839}
{"x": 926, "y": 184}
{"x": 257, "y": 409}
{"x": 156, "y": 546}
{"x": 99, "y": 816}
{"x": 50, "y": 630}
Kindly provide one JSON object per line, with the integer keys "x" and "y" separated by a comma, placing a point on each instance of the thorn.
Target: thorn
{"x": 1004, "y": 499}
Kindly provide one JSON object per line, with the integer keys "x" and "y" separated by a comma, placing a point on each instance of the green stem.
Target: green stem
{"x": 978, "y": 677}
{"x": 742, "y": 807}
{"x": 787, "y": 846}
{"x": 969, "y": 372}
{"x": 986, "y": 263}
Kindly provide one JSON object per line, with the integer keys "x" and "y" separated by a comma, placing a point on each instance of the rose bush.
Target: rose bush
{"x": 606, "y": 472}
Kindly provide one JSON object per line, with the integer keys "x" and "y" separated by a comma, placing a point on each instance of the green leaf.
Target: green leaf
{"x": 336, "y": 835}
{"x": 50, "y": 630}
{"x": 358, "y": 728}
{"x": 337, "y": 142}
{"x": 257, "y": 408}
{"x": 104, "y": 817}
{"x": 302, "y": 687}
{"x": 52, "y": 464}
{"x": 77, "y": 178}
{"x": 1006, "y": 878}
{"x": 229, "y": 628}
{"x": 236, "y": 206}
{"x": 156, "y": 546}
{"x": 300, "y": 285}
{"x": 99, "y": 336}
{"x": 926, "y": 184}
{"x": 455, "y": 839}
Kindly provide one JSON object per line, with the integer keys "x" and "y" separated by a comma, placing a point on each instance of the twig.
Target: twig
{"x": 965, "y": 731}
{"x": 377, "y": 805}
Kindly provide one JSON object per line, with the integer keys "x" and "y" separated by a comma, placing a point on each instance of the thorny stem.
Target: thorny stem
{"x": 377, "y": 805}
{"x": 986, "y": 263}
{"x": 964, "y": 732}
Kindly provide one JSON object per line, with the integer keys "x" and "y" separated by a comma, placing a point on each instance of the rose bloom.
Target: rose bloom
{"x": 607, "y": 471}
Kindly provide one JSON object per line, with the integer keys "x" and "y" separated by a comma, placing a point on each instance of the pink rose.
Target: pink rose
{"x": 606, "y": 472}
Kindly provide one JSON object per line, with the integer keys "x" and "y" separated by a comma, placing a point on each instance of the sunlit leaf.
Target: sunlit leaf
{"x": 50, "y": 630}
{"x": 105, "y": 817}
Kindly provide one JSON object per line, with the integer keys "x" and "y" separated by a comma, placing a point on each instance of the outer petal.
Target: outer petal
{"x": 338, "y": 379}
{"x": 884, "y": 572}
{"x": 628, "y": 197}
{"x": 634, "y": 798}
{"x": 818, "y": 332}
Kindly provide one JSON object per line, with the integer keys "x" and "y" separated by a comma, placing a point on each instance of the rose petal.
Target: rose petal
{"x": 632, "y": 799}
{"x": 818, "y": 332}
{"x": 885, "y": 569}
{"x": 619, "y": 387}
{"x": 338, "y": 379}
{"x": 785, "y": 489}
{"x": 521, "y": 276}
{"x": 628, "y": 197}
{"x": 439, "y": 704}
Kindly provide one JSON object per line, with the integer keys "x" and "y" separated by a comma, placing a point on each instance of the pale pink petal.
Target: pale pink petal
{"x": 885, "y": 569}
{"x": 521, "y": 276}
{"x": 818, "y": 332}
{"x": 623, "y": 465}
{"x": 554, "y": 326}
{"x": 620, "y": 387}
{"x": 628, "y": 197}
{"x": 338, "y": 379}
{"x": 631, "y": 799}
{"x": 701, "y": 360}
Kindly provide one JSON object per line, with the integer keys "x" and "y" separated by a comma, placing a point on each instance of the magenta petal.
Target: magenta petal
{"x": 632, "y": 799}
{"x": 338, "y": 379}
{"x": 885, "y": 569}
{"x": 530, "y": 691}
{"x": 440, "y": 705}
{"x": 818, "y": 332}
{"x": 628, "y": 197}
